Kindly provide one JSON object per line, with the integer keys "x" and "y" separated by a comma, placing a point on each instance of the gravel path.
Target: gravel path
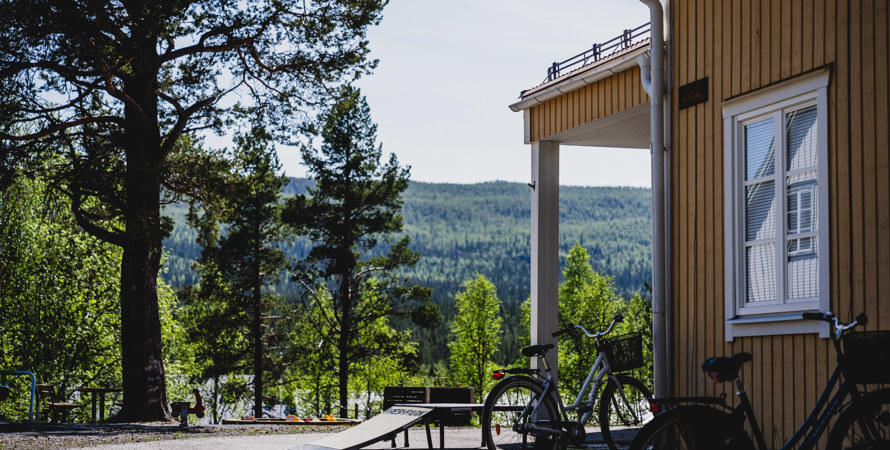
{"x": 240, "y": 437}
{"x": 160, "y": 436}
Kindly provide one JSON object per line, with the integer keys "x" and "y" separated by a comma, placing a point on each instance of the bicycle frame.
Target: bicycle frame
{"x": 598, "y": 371}
{"x": 816, "y": 423}
{"x": 556, "y": 423}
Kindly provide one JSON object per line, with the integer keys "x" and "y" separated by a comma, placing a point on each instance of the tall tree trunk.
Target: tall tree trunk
{"x": 343, "y": 368}
{"x": 144, "y": 384}
{"x": 257, "y": 329}
{"x": 346, "y": 331}
{"x": 215, "y": 400}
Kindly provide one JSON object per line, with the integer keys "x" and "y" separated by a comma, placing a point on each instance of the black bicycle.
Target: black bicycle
{"x": 711, "y": 423}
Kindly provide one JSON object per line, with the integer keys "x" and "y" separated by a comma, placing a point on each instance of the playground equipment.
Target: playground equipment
{"x": 6, "y": 378}
{"x": 183, "y": 410}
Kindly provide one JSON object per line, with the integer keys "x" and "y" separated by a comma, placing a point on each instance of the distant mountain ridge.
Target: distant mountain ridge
{"x": 463, "y": 229}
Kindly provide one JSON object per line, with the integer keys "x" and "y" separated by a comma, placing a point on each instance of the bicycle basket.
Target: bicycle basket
{"x": 625, "y": 352}
{"x": 867, "y": 357}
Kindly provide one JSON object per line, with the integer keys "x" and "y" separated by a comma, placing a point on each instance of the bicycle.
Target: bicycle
{"x": 526, "y": 406}
{"x": 709, "y": 422}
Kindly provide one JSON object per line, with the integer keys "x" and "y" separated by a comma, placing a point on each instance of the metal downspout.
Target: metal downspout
{"x": 655, "y": 88}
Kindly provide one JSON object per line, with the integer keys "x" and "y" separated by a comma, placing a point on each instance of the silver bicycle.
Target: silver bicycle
{"x": 526, "y": 407}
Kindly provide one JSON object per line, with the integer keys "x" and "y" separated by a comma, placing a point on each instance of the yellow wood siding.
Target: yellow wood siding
{"x": 594, "y": 101}
{"x": 740, "y": 46}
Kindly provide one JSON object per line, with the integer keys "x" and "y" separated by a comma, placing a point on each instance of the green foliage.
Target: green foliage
{"x": 588, "y": 298}
{"x": 315, "y": 357}
{"x": 393, "y": 364}
{"x": 477, "y": 334}
{"x": 585, "y": 298}
{"x": 354, "y": 206}
{"x": 182, "y": 367}
{"x": 230, "y": 310}
{"x": 460, "y": 230}
{"x": 58, "y": 293}
{"x": 122, "y": 90}
{"x": 389, "y": 360}
{"x": 638, "y": 319}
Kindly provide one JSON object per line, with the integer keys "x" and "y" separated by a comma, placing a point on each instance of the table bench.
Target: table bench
{"x": 100, "y": 392}
{"x": 451, "y": 406}
{"x": 442, "y": 415}
{"x": 58, "y": 410}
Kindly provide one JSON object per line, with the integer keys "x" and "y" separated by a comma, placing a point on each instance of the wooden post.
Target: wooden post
{"x": 545, "y": 247}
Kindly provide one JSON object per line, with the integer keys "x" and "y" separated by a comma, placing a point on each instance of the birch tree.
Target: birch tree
{"x": 477, "y": 334}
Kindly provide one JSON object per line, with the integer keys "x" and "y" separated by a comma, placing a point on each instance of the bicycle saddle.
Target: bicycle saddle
{"x": 725, "y": 369}
{"x": 536, "y": 350}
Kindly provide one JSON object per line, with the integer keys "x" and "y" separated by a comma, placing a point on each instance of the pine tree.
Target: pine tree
{"x": 233, "y": 300}
{"x": 349, "y": 215}
{"x": 117, "y": 86}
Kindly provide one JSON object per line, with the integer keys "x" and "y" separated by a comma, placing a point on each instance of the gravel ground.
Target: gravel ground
{"x": 240, "y": 437}
{"x": 129, "y": 435}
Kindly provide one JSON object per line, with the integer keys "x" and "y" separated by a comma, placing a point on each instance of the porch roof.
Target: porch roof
{"x": 613, "y": 64}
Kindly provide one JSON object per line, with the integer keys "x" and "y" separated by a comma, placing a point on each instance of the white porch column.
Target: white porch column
{"x": 545, "y": 247}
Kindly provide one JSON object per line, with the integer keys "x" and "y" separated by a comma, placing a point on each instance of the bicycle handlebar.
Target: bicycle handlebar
{"x": 564, "y": 330}
{"x": 571, "y": 328}
{"x": 830, "y": 317}
{"x": 814, "y": 316}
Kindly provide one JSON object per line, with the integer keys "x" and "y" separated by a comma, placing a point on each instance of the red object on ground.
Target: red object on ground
{"x": 198, "y": 409}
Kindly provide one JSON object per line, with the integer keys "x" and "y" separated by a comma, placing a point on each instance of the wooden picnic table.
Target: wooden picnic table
{"x": 100, "y": 392}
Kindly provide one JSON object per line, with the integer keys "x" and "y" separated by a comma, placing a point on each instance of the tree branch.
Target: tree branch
{"x": 114, "y": 238}
{"x": 231, "y": 44}
{"x": 10, "y": 68}
{"x": 184, "y": 114}
{"x": 63, "y": 126}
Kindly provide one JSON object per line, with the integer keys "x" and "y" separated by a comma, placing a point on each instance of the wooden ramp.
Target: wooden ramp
{"x": 382, "y": 427}
{"x": 295, "y": 422}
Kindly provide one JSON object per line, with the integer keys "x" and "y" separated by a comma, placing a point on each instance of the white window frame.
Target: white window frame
{"x": 781, "y": 317}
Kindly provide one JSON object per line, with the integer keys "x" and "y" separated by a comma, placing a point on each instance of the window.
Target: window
{"x": 775, "y": 169}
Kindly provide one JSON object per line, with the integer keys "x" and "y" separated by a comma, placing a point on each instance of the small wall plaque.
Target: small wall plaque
{"x": 694, "y": 93}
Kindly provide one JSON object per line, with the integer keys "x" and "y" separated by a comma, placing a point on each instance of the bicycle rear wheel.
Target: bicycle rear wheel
{"x": 628, "y": 406}
{"x": 507, "y": 419}
{"x": 864, "y": 425}
{"x": 692, "y": 428}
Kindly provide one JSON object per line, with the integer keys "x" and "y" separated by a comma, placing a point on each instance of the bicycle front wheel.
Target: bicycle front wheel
{"x": 864, "y": 425}
{"x": 692, "y": 428}
{"x": 515, "y": 411}
{"x": 625, "y": 404}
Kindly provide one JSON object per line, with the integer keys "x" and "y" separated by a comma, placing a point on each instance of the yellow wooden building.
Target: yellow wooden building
{"x": 771, "y": 182}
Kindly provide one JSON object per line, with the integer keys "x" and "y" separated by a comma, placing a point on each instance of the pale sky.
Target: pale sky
{"x": 449, "y": 69}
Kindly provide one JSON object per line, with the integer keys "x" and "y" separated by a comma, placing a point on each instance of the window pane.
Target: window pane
{"x": 760, "y": 149}
{"x": 760, "y": 271}
{"x": 760, "y": 211}
{"x": 800, "y": 127}
{"x": 802, "y": 203}
{"x": 803, "y": 268}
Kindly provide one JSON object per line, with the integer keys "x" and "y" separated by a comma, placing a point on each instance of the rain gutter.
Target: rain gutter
{"x": 652, "y": 69}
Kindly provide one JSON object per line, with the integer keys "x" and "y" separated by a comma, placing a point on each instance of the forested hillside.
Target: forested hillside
{"x": 463, "y": 229}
